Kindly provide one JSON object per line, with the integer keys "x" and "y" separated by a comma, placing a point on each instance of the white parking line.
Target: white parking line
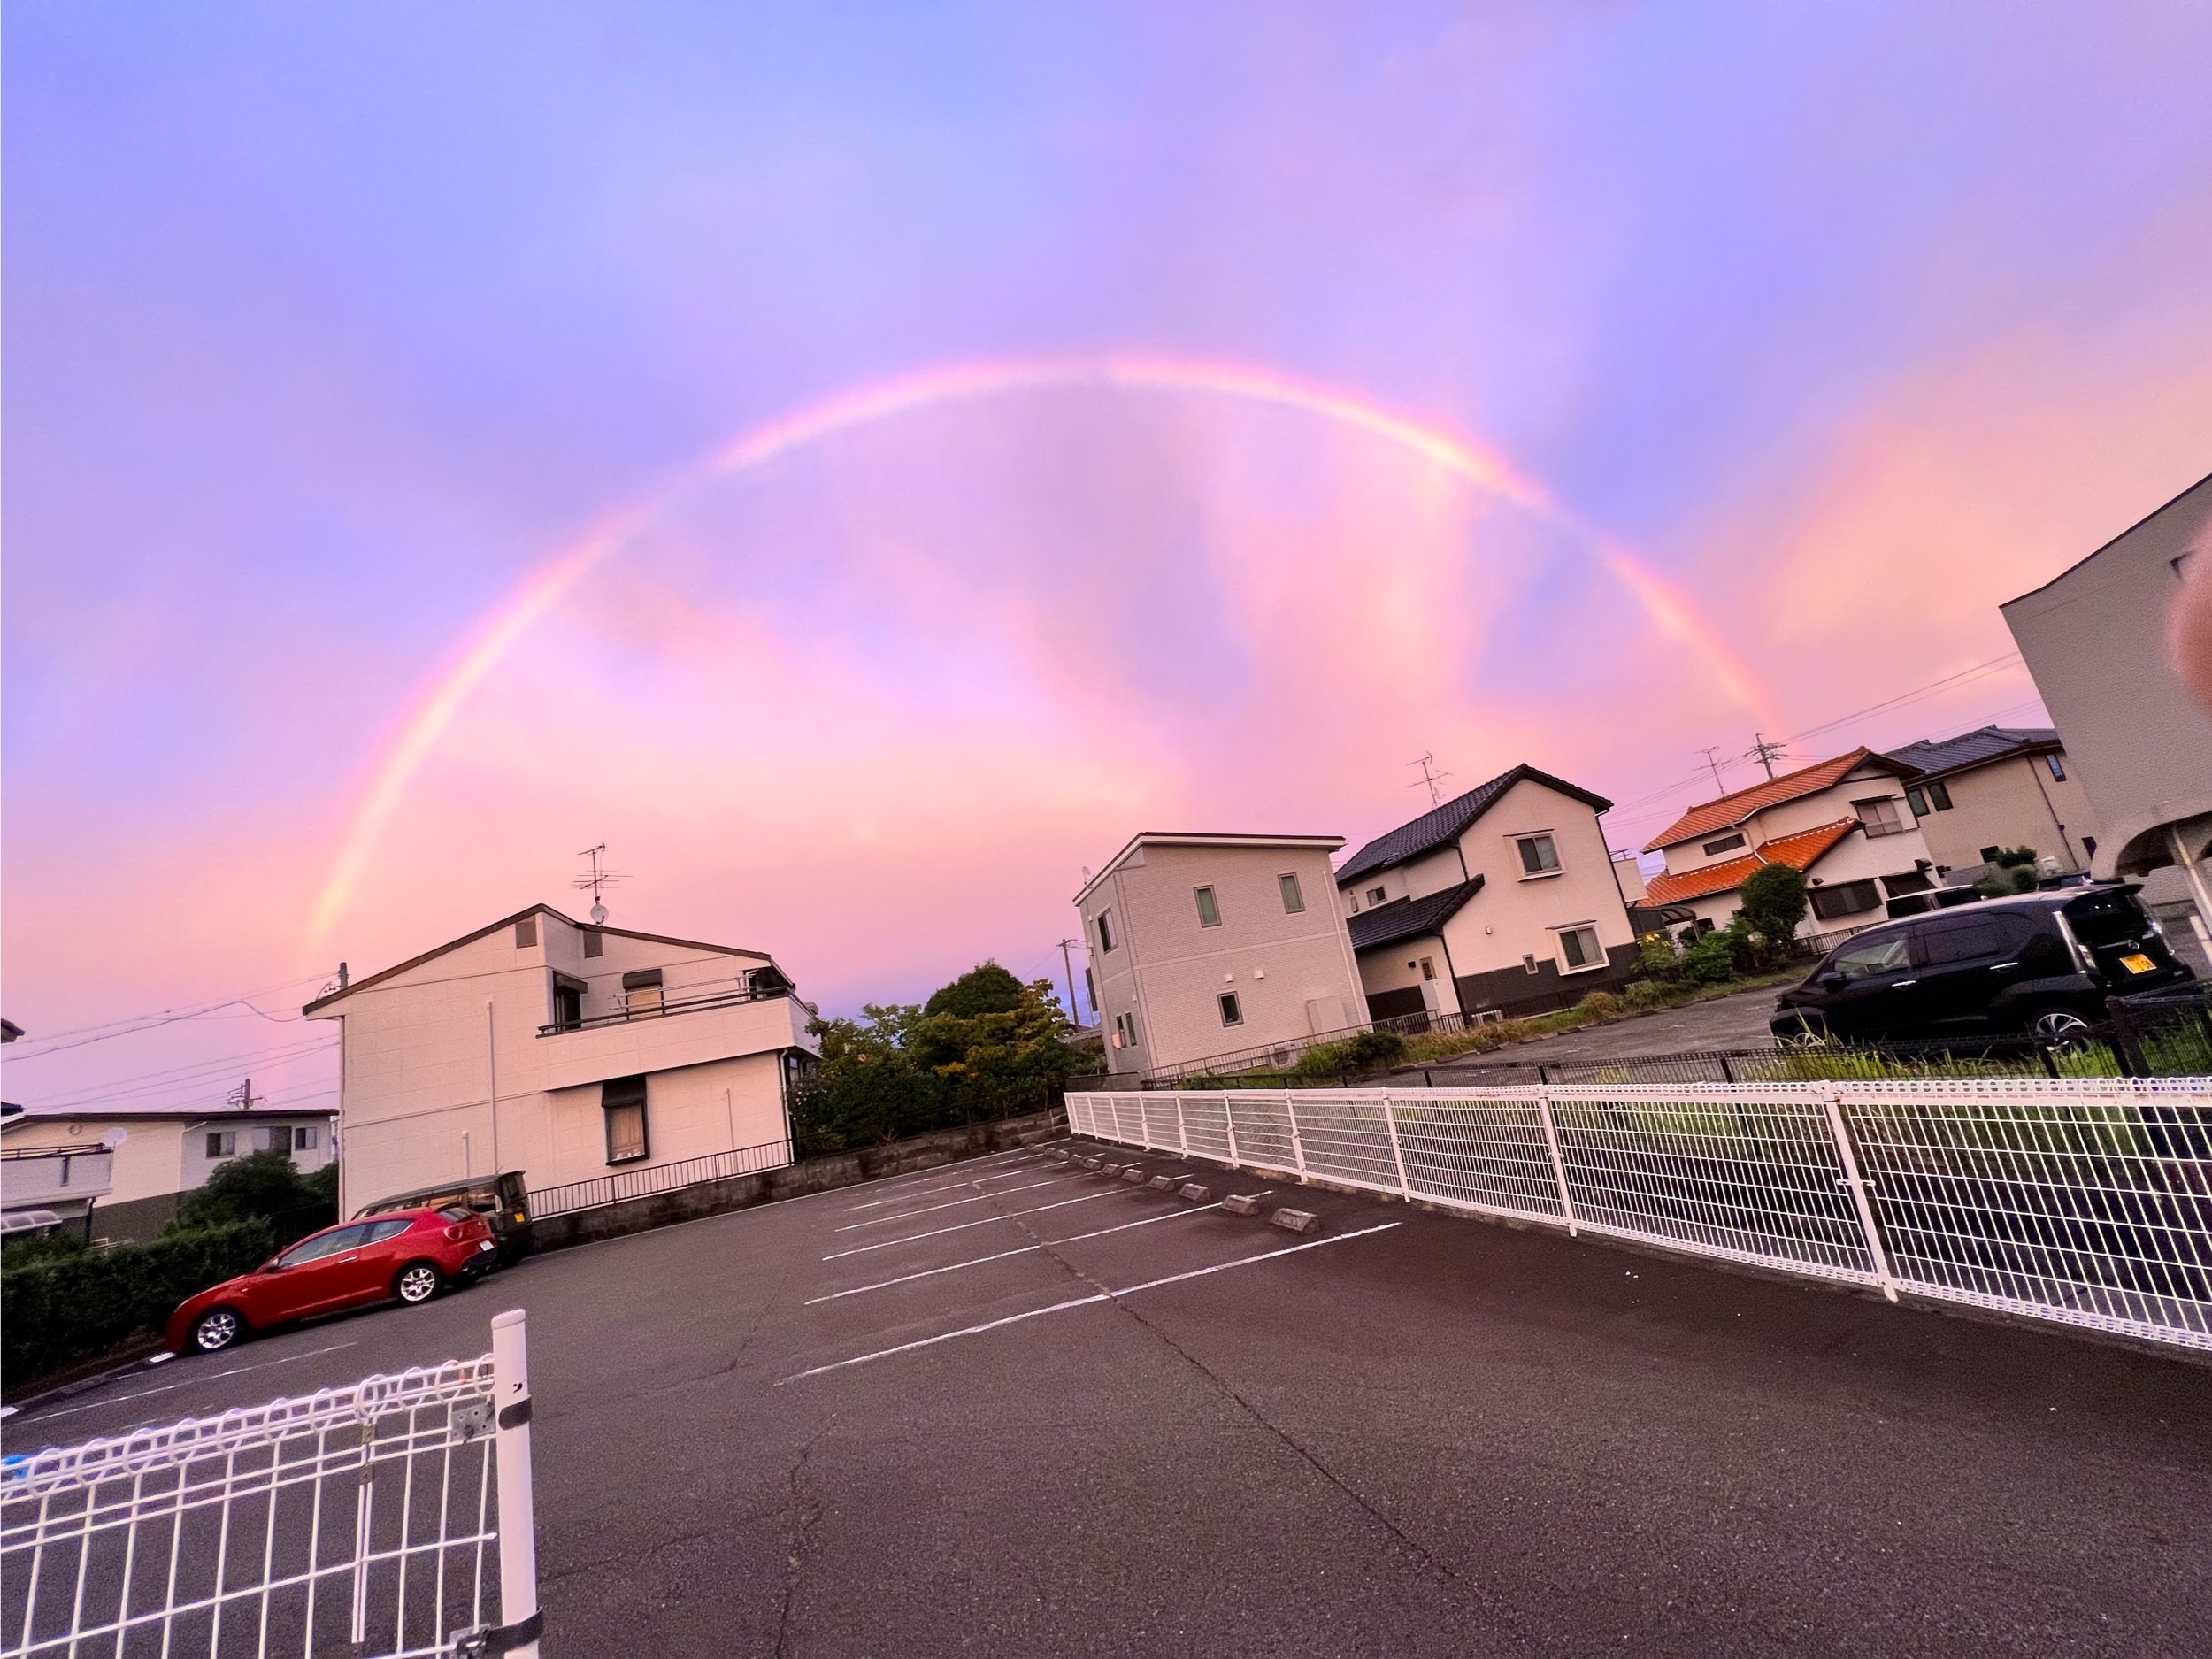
{"x": 1084, "y": 1302}
{"x": 32, "y": 1415}
{"x": 931, "y": 1273}
{"x": 962, "y": 1226}
{"x": 941, "y": 1169}
{"x": 942, "y": 1187}
{"x": 928, "y": 1210}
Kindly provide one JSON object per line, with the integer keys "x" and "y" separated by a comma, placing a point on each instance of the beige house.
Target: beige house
{"x": 129, "y": 1168}
{"x": 1999, "y": 788}
{"x": 564, "y": 1050}
{"x": 1209, "y": 946}
{"x": 2092, "y": 636}
{"x": 1501, "y": 901}
{"x": 1847, "y": 823}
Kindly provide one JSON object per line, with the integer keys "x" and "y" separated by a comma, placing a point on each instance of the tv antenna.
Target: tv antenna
{"x": 1431, "y": 777}
{"x": 598, "y": 882}
{"x": 1712, "y": 760}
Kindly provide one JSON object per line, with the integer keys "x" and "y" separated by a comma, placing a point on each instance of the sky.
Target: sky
{"x": 441, "y": 439}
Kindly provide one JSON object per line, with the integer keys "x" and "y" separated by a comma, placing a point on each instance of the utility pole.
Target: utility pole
{"x": 1431, "y": 778}
{"x": 1075, "y": 1009}
{"x": 1765, "y": 753}
{"x": 242, "y": 1097}
{"x": 1712, "y": 760}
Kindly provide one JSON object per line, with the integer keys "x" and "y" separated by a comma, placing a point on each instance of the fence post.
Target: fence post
{"x": 1558, "y": 1164}
{"x": 1852, "y": 1179}
{"x": 1398, "y": 1156}
{"x": 1182, "y": 1129}
{"x": 1229, "y": 1123}
{"x": 519, "y": 1618}
{"x": 1297, "y": 1147}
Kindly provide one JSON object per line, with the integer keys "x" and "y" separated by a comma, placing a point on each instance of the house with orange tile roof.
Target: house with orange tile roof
{"x": 1847, "y": 823}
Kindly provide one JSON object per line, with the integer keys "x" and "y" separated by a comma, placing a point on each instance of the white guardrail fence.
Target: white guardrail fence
{"x": 2088, "y": 1202}
{"x": 387, "y": 1518}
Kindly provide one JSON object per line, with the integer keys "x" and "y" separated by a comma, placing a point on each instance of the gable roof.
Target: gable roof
{"x": 1207, "y": 838}
{"x": 1408, "y": 919}
{"x": 1732, "y": 810}
{"x": 1932, "y": 758}
{"x": 1800, "y": 851}
{"x": 1447, "y": 823}
{"x": 509, "y": 921}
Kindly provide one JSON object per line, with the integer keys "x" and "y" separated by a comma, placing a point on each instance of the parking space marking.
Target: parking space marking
{"x": 931, "y": 1273}
{"x": 906, "y": 1192}
{"x": 942, "y": 1187}
{"x": 927, "y": 1209}
{"x": 1084, "y": 1302}
{"x": 962, "y": 1226}
{"x": 34, "y": 1416}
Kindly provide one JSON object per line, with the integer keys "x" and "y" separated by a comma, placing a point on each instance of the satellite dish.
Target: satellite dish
{"x": 598, "y": 913}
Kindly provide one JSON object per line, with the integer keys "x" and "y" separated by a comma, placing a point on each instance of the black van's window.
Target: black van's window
{"x": 1875, "y": 955}
{"x": 1963, "y": 941}
{"x": 2106, "y": 919}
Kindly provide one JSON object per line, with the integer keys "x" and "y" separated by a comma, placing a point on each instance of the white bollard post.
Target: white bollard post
{"x": 519, "y": 1616}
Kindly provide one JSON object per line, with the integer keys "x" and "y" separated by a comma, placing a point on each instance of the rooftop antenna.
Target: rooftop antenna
{"x": 1712, "y": 760}
{"x": 598, "y": 880}
{"x": 1430, "y": 777}
{"x": 1765, "y": 753}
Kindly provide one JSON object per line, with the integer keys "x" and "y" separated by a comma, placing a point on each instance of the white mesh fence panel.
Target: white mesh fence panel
{"x": 2087, "y": 1200}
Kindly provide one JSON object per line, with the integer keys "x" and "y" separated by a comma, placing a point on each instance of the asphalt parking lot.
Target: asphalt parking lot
{"x": 1009, "y": 1408}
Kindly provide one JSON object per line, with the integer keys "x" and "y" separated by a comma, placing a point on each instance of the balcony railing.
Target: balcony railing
{"x": 661, "y": 1010}
{"x": 660, "y": 1178}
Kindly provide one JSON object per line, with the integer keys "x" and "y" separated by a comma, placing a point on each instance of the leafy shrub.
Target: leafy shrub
{"x": 1656, "y": 958}
{"x": 68, "y": 1308}
{"x": 1710, "y": 959}
{"x": 264, "y": 1186}
{"x": 1362, "y": 1051}
{"x": 1647, "y": 993}
{"x": 1602, "y": 1005}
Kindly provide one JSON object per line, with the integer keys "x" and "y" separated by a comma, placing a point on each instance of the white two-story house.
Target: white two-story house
{"x": 1848, "y": 823}
{"x": 1500, "y": 903}
{"x": 565, "y": 1051}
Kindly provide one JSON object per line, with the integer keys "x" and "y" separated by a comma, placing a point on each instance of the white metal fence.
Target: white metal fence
{"x": 2084, "y": 1201}
{"x": 389, "y": 1518}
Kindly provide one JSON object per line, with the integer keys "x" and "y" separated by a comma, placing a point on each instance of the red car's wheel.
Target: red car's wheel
{"x": 217, "y": 1329}
{"x": 418, "y": 1282}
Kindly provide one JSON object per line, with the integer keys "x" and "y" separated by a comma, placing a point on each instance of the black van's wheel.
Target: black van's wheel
{"x": 2058, "y": 1024}
{"x": 217, "y": 1329}
{"x": 418, "y": 1282}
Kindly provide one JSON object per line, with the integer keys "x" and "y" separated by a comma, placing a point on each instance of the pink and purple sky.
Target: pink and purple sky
{"x": 1581, "y": 385}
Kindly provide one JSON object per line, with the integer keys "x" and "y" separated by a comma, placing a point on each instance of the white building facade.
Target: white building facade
{"x": 1204, "y": 946}
{"x": 563, "y": 1051}
{"x": 1848, "y": 823}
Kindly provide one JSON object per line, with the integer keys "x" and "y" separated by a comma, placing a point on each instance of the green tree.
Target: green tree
{"x": 261, "y": 1187}
{"x": 986, "y": 988}
{"x": 1774, "y": 899}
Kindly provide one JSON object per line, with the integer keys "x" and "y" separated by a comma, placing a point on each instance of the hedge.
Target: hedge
{"x": 65, "y": 1308}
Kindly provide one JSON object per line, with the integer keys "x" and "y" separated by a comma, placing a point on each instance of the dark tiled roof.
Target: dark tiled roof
{"x": 1408, "y": 919}
{"x": 1447, "y": 823}
{"x": 1974, "y": 749}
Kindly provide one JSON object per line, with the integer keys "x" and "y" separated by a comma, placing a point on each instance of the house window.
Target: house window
{"x": 275, "y": 1139}
{"x": 1580, "y": 949}
{"x": 594, "y": 942}
{"x": 1375, "y": 895}
{"x": 2057, "y": 764}
{"x": 1909, "y": 881}
{"x": 2089, "y": 845}
{"x": 222, "y": 1143}
{"x": 1125, "y": 1031}
{"x": 568, "y": 1005}
{"x": 1940, "y": 794}
{"x": 1428, "y": 967}
{"x": 305, "y": 1138}
{"x": 1528, "y": 966}
{"x": 1090, "y": 988}
{"x": 622, "y": 1100}
{"x": 526, "y": 932}
{"x": 1879, "y": 818}
{"x": 1726, "y": 843}
{"x": 1540, "y": 855}
{"x": 1208, "y": 908}
{"x": 1847, "y": 898}
{"x": 1106, "y": 932}
{"x": 1989, "y": 854}
{"x": 1231, "y": 1014}
{"x": 1917, "y": 800}
{"x": 641, "y": 994}
{"x": 1294, "y": 900}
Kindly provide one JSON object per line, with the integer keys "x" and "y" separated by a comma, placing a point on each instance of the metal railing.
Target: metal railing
{"x": 2086, "y": 1202}
{"x": 661, "y": 1010}
{"x": 390, "y": 1519}
{"x": 658, "y": 1177}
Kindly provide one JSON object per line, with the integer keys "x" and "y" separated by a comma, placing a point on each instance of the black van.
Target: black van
{"x": 2039, "y": 963}
{"x": 501, "y": 1200}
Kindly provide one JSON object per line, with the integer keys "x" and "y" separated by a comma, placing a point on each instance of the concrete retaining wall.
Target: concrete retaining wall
{"x": 793, "y": 1180}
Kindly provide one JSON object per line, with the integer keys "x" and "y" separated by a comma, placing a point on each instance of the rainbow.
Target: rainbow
{"x": 1670, "y": 611}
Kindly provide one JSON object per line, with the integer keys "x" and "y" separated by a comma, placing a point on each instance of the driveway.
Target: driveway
{"x": 1739, "y": 1021}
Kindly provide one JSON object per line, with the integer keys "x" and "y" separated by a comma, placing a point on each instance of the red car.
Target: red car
{"x": 411, "y": 1255}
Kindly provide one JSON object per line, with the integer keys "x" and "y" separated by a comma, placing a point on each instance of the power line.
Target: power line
{"x": 180, "y": 1076}
{"x": 107, "y": 1030}
{"x": 1948, "y": 682}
